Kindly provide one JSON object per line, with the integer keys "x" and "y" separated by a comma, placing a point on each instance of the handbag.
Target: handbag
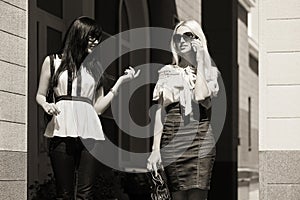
{"x": 158, "y": 185}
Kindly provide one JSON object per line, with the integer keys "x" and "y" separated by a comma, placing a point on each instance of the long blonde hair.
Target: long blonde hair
{"x": 211, "y": 72}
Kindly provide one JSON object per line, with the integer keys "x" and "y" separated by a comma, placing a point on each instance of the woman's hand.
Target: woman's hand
{"x": 102, "y": 101}
{"x": 51, "y": 108}
{"x": 129, "y": 74}
{"x": 199, "y": 50}
{"x": 154, "y": 161}
{"x": 197, "y": 47}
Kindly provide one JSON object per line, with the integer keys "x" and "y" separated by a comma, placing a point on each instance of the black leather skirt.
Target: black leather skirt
{"x": 187, "y": 150}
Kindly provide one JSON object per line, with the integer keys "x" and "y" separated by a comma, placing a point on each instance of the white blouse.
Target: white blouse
{"x": 76, "y": 118}
{"x": 176, "y": 84}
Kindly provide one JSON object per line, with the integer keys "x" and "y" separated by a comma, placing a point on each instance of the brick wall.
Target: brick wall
{"x": 13, "y": 89}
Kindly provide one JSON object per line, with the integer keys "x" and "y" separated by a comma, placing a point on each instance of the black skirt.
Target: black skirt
{"x": 187, "y": 149}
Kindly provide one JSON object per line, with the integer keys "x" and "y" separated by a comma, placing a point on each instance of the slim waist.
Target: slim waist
{"x": 73, "y": 98}
{"x": 199, "y": 113}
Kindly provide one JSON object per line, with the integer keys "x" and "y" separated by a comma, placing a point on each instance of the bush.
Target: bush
{"x": 44, "y": 191}
{"x": 107, "y": 187}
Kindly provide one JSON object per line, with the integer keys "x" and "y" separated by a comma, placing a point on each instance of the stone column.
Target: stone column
{"x": 279, "y": 107}
{"x": 13, "y": 99}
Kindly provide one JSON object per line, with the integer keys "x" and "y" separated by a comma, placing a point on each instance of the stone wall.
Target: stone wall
{"x": 13, "y": 99}
{"x": 279, "y": 25}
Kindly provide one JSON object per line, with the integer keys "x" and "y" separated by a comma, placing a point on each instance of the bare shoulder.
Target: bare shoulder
{"x": 47, "y": 60}
{"x": 46, "y": 66}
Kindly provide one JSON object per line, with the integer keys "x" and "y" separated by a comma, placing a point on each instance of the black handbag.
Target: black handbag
{"x": 158, "y": 185}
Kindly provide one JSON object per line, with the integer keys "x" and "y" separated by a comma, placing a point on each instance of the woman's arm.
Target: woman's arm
{"x": 155, "y": 158}
{"x": 213, "y": 87}
{"x": 45, "y": 77}
{"x": 158, "y": 128}
{"x": 201, "y": 89}
{"x": 102, "y": 102}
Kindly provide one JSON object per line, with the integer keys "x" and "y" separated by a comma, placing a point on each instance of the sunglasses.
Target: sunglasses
{"x": 187, "y": 36}
{"x": 92, "y": 39}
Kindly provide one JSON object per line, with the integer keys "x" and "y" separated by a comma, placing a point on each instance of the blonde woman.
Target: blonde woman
{"x": 184, "y": 142}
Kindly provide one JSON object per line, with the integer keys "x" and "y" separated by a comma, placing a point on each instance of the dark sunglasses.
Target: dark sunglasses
{"x": 187, "y": 36}
{"x": 94, "y": 38}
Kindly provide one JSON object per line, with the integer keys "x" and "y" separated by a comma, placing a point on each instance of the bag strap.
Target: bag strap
{"x": 52, "y": 69}
{"x": 69, "y": 87}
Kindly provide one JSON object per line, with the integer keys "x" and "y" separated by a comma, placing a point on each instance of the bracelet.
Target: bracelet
{"x": 115, "y": 92}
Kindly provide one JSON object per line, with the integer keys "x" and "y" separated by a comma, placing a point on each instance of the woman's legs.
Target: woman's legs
{"x": 63, "y": 165}
{"x": 191, "y": 194}
{"x": 179, "y": 195}
{"x": 197, "y": 194}
{"x": 86, "y": 169}
{"x": 86, "y": 176}
{"x": 73, "y": 167}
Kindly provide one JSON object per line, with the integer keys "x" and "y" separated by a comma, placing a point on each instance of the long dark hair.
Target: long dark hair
{"x": 75, "y": 44}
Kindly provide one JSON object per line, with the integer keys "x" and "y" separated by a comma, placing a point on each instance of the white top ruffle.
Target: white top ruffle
{"x": 176, "y": 84}
{"x": 76, "y": 118}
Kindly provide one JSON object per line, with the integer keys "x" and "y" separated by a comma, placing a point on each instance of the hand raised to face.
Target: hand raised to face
{"x": 197, "y": 47}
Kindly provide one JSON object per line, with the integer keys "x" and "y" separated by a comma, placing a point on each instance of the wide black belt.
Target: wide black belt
{"x": 73, "y": 98}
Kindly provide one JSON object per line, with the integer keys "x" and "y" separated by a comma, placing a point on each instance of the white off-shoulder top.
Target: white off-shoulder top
{"x": 77, "y": 118}
{"x": 176, "y": 84}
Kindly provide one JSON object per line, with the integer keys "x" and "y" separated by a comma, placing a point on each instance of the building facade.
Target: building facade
{"x": 248, "y": 185}
{"x": 279, "y": 124}
{"x": 25, "y": 27}
{"x": 32, "y": 29}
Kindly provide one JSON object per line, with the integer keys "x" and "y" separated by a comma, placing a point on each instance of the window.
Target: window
{"x": 54, "y": 7}
{"x": 253, "y": 63}
{"x": 54, "y": 40}
{"x": 243, "y": 14}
